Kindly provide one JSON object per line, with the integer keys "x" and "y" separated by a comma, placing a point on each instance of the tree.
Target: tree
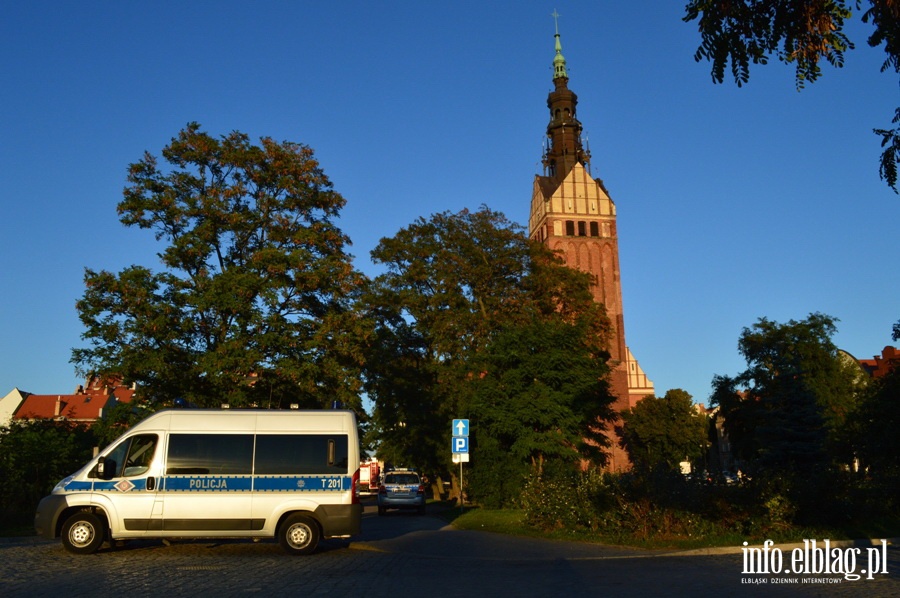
{"x": 254, "y": 302}
{"x": 879, "y": 421}
{"x": 540, "y": 397}
{"x": 34, "y": 456}
{"x": 788, "y": 409}
{"x": 805, "y": 32}
{"x": 663, "y": 432}
{"x": 455, "y": 286}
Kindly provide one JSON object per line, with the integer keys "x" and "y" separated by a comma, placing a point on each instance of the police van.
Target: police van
{"x": 290, "y": 475}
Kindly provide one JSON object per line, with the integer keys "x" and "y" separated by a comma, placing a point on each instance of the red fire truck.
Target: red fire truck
{"x": 369, "y": 472}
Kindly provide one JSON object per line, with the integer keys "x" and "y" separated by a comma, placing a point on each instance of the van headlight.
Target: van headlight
{"x": 61, "y": 485}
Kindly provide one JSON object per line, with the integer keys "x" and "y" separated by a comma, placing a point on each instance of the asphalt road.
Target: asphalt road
{"x": 405, "y": 555}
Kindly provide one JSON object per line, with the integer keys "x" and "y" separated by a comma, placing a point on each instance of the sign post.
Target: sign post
{"x": 460, "y": 449}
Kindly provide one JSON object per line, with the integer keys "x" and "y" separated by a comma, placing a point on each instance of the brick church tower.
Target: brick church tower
{"x": 572, "y": 213}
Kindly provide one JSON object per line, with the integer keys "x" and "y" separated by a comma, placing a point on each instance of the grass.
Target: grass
{"x": 512, "y": 522}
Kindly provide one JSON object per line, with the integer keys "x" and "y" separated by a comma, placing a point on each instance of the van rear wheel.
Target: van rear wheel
{"x": 83, "y": 533}
{"x": 299, "y": 534}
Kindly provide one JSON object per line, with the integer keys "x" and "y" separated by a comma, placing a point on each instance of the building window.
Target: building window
{"x": 581, "y": 229}
{"x": 570, "y": 228}
{"x": 595, "y": 232}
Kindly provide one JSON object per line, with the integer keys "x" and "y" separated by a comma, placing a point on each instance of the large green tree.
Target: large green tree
{"x": 540, "y": 396}
{"x": 253, "y": 304}
{"x": 736, "y": 33}
{"x": 661, "y": 432}
{"x": 789, "y": 409}
{"x": 456, "y": 288}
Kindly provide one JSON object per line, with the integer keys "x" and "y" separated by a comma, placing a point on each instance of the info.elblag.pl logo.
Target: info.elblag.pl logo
{"x": 813, "y": 559}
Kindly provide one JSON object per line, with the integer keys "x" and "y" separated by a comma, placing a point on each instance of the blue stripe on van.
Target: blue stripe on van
{"x": 206, "y": 483}
{"x": 122, "y": 485}
{"x": 79, "y": 486}
{"x": 302, "y": 483}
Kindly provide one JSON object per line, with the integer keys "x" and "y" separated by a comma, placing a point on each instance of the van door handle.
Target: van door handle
{"x": 151, "y": 483}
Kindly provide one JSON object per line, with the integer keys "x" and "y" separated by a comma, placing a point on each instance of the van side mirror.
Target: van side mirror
{"x": 106, "y": 468}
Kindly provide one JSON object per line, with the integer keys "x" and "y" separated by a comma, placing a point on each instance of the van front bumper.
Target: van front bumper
{"x": 47, "y": 515}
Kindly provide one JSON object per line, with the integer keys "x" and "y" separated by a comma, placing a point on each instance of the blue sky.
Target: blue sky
{"x": 733, "y": 204}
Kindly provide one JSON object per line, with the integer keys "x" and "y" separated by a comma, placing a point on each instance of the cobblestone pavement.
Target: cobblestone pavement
{"x": 401, "y": 554}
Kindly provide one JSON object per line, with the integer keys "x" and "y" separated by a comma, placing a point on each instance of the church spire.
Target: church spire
{"x": 564, "y": 131}
{"x": 559, "y": 61}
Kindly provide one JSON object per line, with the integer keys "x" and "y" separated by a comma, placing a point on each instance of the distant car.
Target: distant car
{"x": 401, "y": 490}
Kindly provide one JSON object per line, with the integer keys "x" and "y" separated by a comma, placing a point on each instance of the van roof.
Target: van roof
{"x": 249, "y": 420}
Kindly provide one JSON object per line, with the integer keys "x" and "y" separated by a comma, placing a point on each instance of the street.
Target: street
{"x": 401, "y": 554}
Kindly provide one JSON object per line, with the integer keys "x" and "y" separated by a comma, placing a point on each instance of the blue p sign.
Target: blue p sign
{"x": 461, "y": 444}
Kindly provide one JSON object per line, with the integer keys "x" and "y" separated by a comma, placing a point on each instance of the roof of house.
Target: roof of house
{"x": 880, "y": 365}
{"x": 72, "y": 407}
{"x": 84, "y": 405}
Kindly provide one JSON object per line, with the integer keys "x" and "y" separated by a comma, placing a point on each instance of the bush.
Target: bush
{"x": 635, "y": 508}
{"x": 34, "y": 456}
{"x": 566, "y": 499}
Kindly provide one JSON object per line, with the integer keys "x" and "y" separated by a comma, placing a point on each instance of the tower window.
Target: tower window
{"x": 595, "y": 232}
{"x": 581, "y": 229}
{"x": 570, "y": 228}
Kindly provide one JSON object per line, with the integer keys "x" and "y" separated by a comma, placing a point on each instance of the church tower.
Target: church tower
{"x": 573, "y": 214}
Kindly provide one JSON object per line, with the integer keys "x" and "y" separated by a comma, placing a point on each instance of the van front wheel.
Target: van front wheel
{"x": 83, "y": 533}
{"x": 299, "y": 534}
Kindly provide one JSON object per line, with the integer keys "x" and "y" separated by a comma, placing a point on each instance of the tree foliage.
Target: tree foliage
{"x": 789, "y": 409}
{"x": 34, "y": 456}
{"x": 540, "y": 396}
{"x": 879, "y": 419}
{"x": 459, "y": 291}
{"x": 799, "y": 32}
{"x": 663, "y": 432}
{"x": 253, "y": 302}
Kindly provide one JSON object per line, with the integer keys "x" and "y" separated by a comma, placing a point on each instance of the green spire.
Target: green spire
{"x": 559, "y": 61}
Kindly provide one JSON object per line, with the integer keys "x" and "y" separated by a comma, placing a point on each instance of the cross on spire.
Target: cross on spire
{"x": 559, "y": 62}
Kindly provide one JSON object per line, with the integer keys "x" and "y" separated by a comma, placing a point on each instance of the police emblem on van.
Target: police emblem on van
{"x": 124, "y": 486}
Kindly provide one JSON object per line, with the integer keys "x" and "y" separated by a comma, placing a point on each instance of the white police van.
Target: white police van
{"x": 290, "y": 475}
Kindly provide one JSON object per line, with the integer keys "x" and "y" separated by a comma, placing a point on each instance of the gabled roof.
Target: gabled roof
{"x": 78, "y": 407}
{"x": 84, "y": 405}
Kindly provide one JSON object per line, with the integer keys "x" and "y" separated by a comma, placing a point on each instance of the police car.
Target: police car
{"x": 401, "y": 489}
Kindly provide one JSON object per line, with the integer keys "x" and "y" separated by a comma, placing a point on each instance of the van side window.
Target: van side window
{"x": 301, "y": 454}
{"x": 216, "y": 454}
{"x": 133, "y": 456}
